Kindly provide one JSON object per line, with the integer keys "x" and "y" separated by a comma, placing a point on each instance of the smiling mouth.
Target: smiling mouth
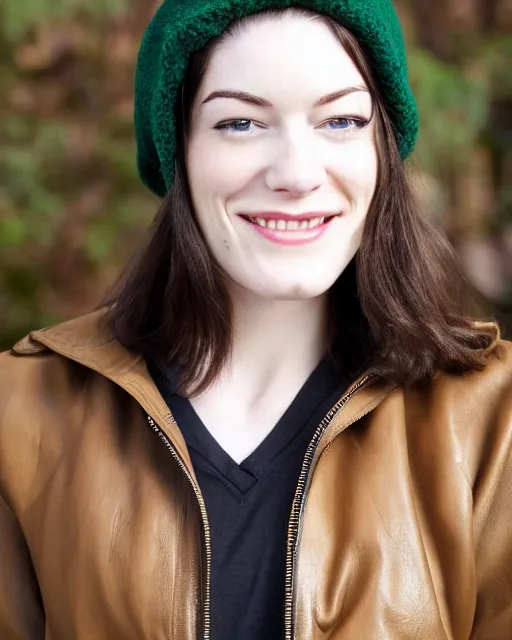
{"x": 280, "y": 224}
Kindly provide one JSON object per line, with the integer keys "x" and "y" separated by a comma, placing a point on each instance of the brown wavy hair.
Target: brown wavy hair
{"x": 401, "y": 310}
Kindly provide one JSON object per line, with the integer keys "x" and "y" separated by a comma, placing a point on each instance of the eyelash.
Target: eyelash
{"x": 359, "y": 123}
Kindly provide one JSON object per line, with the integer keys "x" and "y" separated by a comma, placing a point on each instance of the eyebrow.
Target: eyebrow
{"x": 262, "y": 102}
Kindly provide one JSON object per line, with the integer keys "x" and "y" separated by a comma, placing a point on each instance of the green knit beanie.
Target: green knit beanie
{"x": 181, "y": 27}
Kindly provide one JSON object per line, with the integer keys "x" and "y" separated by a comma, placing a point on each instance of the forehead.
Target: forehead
{"x": 287, "y": 55}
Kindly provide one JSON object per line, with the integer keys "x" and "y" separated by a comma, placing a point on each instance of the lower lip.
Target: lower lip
{"x": 301, "y": 236}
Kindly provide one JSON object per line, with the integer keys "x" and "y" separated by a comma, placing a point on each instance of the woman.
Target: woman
{"x": 284, "y": 423}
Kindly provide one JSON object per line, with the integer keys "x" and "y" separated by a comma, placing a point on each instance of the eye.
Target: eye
{"x": 236, "y": 126}
{"x": 343, "y": 124}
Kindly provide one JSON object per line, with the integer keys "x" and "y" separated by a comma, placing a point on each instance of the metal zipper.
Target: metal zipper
{"x": 298, "y": 504}
{"x": 206, "y": 525}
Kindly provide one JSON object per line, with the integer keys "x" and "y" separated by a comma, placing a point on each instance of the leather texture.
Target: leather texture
{"x": 405, "y": 533}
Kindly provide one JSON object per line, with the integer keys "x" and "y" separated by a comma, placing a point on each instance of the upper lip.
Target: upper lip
{"x": 280, "y": 215}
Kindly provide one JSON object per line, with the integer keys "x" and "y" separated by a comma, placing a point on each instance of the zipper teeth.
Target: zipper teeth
{"x": 297, "y": 505}
{"x": 206, "y": 525}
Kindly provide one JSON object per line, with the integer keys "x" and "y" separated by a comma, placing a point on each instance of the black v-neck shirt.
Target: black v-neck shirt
{"x": 249, "y": 505}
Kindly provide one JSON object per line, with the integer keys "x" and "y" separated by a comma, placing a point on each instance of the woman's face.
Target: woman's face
{"x": 281, "y": 158}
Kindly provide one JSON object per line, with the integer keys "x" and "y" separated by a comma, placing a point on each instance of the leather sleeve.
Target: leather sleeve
{"x": 21, "y": 611}
{"x": 493, "y": 529}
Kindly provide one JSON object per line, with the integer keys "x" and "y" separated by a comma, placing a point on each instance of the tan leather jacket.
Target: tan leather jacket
{"x": 401, "y": 527}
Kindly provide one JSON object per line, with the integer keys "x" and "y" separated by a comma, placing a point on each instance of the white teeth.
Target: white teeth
{"x": 288, "y": 225}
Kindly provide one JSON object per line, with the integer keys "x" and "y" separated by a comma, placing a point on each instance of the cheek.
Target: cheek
{"x": 357, "y": 170}
{"x": 219, "y": 170}
{"x": 213, "y": 179}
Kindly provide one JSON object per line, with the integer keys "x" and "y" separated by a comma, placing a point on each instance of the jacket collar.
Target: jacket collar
{"x": 89, "y": 341}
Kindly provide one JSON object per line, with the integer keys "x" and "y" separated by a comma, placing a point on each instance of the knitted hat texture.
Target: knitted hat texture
{"x": 181, "y": 27}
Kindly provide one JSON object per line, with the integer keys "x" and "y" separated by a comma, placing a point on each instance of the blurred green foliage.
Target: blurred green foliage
{"x": 23, "y": 15}
{"x": 71, "y": 205}
{"x": 72, "y": 208}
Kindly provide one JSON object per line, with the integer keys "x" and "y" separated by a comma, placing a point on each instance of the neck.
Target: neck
{"x": 275, "y": 341}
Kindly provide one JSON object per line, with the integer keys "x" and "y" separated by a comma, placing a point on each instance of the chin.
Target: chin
{"x": 292, "y": 291}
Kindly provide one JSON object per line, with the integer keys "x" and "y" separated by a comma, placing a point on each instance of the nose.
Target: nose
{"x": 296, "y": 167}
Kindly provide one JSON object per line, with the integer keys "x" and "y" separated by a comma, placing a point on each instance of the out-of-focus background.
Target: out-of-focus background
{"x": 72, "y": 209}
